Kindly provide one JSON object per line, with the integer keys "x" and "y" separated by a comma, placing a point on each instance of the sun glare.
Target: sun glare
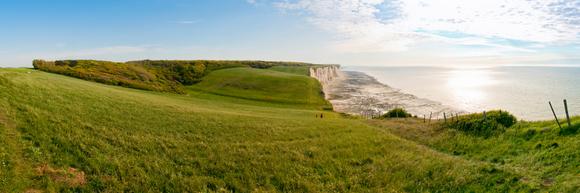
{"x": 467, "y": 86}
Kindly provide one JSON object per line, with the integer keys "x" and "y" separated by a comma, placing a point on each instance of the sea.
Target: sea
{"x": 524, "y": 91}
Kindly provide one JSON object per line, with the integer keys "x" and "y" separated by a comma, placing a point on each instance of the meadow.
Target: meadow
{"x": 546, "y": 157}
{"x": 249, "y": 130}
{"x": 156, "y": 75}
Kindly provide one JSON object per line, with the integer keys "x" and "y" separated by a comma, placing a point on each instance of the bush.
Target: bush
{"x": 397, "y": 113}
{"x": 494, "y": 122}
{"x": 113, "y": 73}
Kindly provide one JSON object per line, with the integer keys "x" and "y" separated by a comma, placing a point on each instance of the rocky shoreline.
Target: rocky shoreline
{"x": 360, "y": 94}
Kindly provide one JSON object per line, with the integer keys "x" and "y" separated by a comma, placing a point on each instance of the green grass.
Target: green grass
{"x": 484, "y": 125}
{"x": 264, "y": 85}
{"x": 546, "y": 158}
{"x": 300, "y": 70}
{"x": 127, "y": 140}
{"x": 158, "y": 75}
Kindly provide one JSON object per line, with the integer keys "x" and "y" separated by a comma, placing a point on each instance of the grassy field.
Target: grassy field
{"x": 265, "y": 85}
{"x": 158, "y": 75}
{"x": 300, "y": 70}
{"x": 546, "y": 157}
{"x": 61, "y": 134}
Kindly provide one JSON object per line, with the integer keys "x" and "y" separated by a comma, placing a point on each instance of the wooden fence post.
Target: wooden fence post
{"x": 430, "y": 113}
{"x": 567, "y": 115}
{"x": 554, "y": 112}
{"x": 445, "y": 117}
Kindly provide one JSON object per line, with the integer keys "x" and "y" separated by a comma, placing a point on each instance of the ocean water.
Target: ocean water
{"x": 524, "y": 91}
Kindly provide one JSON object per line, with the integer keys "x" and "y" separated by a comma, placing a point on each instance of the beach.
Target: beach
{"x": 523, "y": 91}
{"x": 357, "y": 93}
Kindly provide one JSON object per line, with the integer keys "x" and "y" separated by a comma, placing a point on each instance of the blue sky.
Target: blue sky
{"x": 350, "y": 32}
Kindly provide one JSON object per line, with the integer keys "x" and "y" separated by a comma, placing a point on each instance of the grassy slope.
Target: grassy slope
{"x": 300, "y": 70}
{"x": 264, "y": 85}
{"x": 140, "y": 141}
{"x": 157, "y": 75}
{"x": 546, "y": 159}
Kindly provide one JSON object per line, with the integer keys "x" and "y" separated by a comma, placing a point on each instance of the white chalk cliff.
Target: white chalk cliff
{"x": 326, "y": 76}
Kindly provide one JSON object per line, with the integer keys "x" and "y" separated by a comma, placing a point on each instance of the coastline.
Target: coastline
{"x": 358, "y": 93}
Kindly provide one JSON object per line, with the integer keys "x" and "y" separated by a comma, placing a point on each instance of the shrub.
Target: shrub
{"x": 113, "y": 73}
{"x": 397, "y": 113}
{"x": 492, "y": 123}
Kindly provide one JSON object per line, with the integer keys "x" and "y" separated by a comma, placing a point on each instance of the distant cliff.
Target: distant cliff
{"x": 325, "y": 75}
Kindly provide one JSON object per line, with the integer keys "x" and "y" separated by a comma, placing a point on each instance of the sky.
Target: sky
{"x": 349, "y": 32}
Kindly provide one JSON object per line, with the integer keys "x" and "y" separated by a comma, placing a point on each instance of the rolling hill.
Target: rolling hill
{"x": 237, "y": 130}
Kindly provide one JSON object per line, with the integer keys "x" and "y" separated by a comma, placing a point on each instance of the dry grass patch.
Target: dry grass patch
{"x": 409, "y": 128}
{"x": 3, "y": 120}
{"x": 71, "y": 177}
{"x": 33, "y": 191}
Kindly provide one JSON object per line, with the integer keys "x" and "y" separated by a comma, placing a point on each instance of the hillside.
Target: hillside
{"x": 264, "y": 85}
{"x": 155, "y": 75}
{"x": 546, "y": 157}
{"x": 64, "y": 134}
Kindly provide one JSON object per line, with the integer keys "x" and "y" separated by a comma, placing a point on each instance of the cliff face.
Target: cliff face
{"x": 326, "y": 76}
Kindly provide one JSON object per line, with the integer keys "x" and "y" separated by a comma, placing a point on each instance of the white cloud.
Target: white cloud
{"x": 525, "y": 20}
{"x": 370, "y": 26}
{"x": 355, "y": 23}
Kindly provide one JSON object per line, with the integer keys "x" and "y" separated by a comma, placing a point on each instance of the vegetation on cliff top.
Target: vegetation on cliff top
{"x": 155, "y": 75}
{"x": 265, "y": 85}
{"x": 486, "y": 125}
{"x": 397, "y": 113}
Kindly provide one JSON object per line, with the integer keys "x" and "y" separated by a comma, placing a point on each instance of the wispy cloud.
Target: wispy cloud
{"x": 187, "y": 22}
{"x": 397, "y": 25}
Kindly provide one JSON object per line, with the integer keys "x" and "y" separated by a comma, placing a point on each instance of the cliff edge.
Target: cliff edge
{"x": 326, "y": 75}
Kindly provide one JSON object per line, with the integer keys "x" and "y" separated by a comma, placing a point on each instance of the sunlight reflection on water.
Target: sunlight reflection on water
{"x": 468, "y": 87}
{"x": 524, "y": 91}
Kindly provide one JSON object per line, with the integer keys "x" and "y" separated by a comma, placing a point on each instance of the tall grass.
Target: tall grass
{"x": 545, "y": 157}
{"x": 62, "y": 130}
